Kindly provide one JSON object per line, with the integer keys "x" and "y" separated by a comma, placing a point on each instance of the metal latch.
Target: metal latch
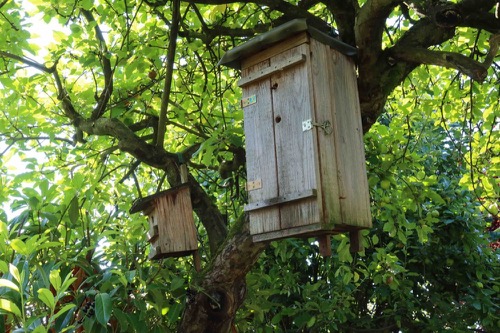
{"x": 326, "y": 126}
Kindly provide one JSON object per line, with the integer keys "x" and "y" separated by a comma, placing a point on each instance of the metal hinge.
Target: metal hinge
{"x": 326, "y": 126}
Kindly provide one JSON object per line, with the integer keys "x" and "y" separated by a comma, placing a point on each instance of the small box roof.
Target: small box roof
{"x": 233, "y": 57}
{"x": 141, "y": 204}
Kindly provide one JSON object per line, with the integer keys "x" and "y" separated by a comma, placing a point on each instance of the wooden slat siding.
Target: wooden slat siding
{"x": 328, "y": 192}
{"x": 273, "y": 50}
{"x": 260, "y": 150}
{"x": 354, "y": 196}
{"x": 309, "y": 230}
{"x": 176, "y": 227}
{"x": 295, "y": 156}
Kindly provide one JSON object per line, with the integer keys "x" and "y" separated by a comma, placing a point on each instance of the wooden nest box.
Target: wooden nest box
{"x": 305, "y": 156}
{"x": 172, "y": 231}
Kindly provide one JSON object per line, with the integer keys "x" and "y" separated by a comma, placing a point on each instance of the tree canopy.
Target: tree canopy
{"x": 101, "y": 101}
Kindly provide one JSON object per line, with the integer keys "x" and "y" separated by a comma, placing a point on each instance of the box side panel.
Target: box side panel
{"x": 295, "y": 154}
{"x": 260, "y": 150}
{"x": 352, "y": 178}
{"x": 176, "y": 227}
{"x": 328, "y": 191}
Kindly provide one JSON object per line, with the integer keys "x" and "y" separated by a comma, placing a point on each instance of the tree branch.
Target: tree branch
{"x": 345, "y": 16}
{"x": 106, "y": 67}
{"x": 369, "y": 27}
{"x": 482, "y": 20}
{"x": 172, "y": 44}
{"x": 464, "y": 64}
{"x": 29, "y": 62}
{"x": 223, "y": 280}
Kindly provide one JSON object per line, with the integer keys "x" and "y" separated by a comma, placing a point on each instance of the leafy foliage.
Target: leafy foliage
{"x": 73, "y": 259}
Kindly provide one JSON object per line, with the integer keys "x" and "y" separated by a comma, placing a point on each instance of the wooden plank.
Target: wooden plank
{"x": 268, "y": 71}
{"x": 260, "y": 151}
{"x": 295, "y": 149}
{"x": 310, "y": 230}
{"x": 176, "y": 229}
{"x": 324, "y": 110}
{"x": 274, "y": 50}
{"x": 353, "y": 183}
{"x": 282, "y": 199}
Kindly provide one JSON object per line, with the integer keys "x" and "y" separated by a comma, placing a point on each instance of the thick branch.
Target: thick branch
{"x": 370, "y": 23}
{"x": 379, "y": 76}
{"x": 345, "y": 16}
{"x": 464, "y": 64}
{"x": 483, "y": 21}
{"x": 106, "y": 67}
{"x": 221, "y": 288}
{"x": 129, "y": 142}
{"x": 172, "y": 44}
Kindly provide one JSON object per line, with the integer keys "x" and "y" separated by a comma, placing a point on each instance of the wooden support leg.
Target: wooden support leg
{"x": 355, "y": 238}
{"x": 197, "y": 261}
{"x": 325, "y": 246}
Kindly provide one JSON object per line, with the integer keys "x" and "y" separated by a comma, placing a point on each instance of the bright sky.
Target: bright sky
{"x": 42, "y": 34}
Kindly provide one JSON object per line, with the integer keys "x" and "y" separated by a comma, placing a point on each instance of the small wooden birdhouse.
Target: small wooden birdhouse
{"x": 305, "y": 155}
{"x": 172, "y": 231}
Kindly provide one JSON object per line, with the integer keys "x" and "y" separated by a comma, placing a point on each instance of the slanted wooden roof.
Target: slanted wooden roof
{"x": 145, "y": 203}
{"x": 233, "y": 57}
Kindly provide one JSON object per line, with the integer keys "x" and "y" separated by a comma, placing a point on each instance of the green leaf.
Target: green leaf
{"x": 19, "y": 246}
{"x": 311, "y": 322}
{"x": 15, "y": 273}
{"x": 476, "y": 305}
{"x": 40, "y": 329}
{"x": 87, "y": 4}
{"x": 55, "y": 280}
{"x": 122, "y": 319}
{"x": 45, "y": 295}
{"x": 4, "y": 267}
{"x": 174, "y": 312}
{"x": 9, "y": 306}
{"x": 74, "y": 210}
{"x": 68, "y": 281}
{"x": 62, "y": 310}
{"x": 177, "y": 282}
{"x": 8, "y": 284}
{"x": 103, "y": 308}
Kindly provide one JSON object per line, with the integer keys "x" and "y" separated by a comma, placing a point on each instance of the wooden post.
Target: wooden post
{"x": 355, "y": 239}
{"x": 197, "y": 261}
{"x": 325, "y": 246}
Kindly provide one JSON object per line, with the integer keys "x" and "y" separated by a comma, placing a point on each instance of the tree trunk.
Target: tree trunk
{"x": 220, "y": 289}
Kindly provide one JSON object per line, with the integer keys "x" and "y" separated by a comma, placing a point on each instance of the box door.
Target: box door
{"x": 260, "y": 150}
{"x": 296, "y": 157}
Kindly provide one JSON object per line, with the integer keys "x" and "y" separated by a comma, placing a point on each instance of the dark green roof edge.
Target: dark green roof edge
{"x": 233, "y": 57}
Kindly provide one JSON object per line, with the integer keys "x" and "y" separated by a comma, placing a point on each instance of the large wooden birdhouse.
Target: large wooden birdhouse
{"x": 172, "y": 232}
{"x": 305, "y": 156}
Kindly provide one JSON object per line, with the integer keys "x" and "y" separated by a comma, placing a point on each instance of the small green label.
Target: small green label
{"x": 248, "y": 101}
